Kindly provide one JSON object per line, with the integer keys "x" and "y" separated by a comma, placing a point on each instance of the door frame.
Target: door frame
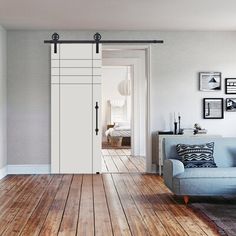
{"x": 147, "y": 48}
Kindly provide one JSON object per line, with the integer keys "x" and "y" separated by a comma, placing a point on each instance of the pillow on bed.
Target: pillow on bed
{"x": 122, "y": 123}
{"x": 197, "y": 156}
{"x": 122, "y": 128}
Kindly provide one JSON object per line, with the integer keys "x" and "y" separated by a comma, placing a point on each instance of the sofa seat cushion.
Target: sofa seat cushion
{"x": 202, "y": 181}
{"x": 229, "y": 172}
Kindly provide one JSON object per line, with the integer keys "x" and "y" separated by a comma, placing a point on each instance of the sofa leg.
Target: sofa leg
{"x": 186, "y": 199}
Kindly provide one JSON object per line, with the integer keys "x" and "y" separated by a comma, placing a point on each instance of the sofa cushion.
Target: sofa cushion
{"x": 228, "y": 172}
{"x": 202, "y": 181}
{"x": 224, "y": 148}
{"x": 197, "y": 156}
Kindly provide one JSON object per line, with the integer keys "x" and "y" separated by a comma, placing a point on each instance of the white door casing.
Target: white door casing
{"x": 126, "y": 61}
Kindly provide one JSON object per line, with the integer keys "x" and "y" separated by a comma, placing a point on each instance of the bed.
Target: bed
{"x": 120, "y": 134}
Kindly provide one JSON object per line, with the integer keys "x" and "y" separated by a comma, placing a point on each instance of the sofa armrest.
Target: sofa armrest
{"x": 171, "y": 168}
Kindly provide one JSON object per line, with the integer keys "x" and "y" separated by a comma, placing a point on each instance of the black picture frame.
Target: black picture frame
{"x": 230, "y": 104}
{"x": 213, "y": 108}
{"x": 230, "y": 86}
{"x": 210, "y": 81}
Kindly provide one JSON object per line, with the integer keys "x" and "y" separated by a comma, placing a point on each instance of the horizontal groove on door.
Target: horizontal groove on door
{"x": 76, "y": 63}
{"x": 55, "y": 71}
{"x": 89, "y": 63}
{"x": 55, "y": 63}
{"x": 55, "y": 79}
{"x": 75, "y": 83}
{"x": 98, "y": 67}
{"x": 75, "y": 71}
{"x": 97, "y": 71}
{"x": 76, "y": 79}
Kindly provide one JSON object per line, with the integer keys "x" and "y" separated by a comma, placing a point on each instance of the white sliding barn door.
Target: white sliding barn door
{"x": 75, "y": 91}
{"x": 75, "y": 128}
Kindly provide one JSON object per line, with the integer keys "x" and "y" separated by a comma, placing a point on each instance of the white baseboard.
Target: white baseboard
{"x": 3, "y": 172}
{"x": 28, "y": 169}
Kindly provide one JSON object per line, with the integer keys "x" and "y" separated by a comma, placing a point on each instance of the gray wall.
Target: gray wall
{"x": 175, "y": 67}
{"x": 3, "y": 124}
{"x": 28, "y": 98}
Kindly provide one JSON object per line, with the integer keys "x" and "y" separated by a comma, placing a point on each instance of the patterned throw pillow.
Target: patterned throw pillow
{"x": 197, "y": 156}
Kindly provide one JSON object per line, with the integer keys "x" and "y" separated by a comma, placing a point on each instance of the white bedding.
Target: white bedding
{"x": 119, "y": 132}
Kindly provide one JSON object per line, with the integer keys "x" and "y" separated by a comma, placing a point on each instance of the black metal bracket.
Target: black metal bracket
{"x": 97, "y": 39}
{"x": 55, "y": 38}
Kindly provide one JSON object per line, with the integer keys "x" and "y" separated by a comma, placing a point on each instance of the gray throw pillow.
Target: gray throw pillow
{"x": 197, "y": 156}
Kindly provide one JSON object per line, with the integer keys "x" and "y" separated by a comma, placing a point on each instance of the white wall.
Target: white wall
{"x": 111, "y": 77}
{"x": 174, "y": 84}
{"x": 3, "y": 80}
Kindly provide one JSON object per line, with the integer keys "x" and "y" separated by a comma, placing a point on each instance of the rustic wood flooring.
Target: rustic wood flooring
{"x": 121, "y": 201}
{"x": 120, "y": 161}
{"x": 107, "y": 204}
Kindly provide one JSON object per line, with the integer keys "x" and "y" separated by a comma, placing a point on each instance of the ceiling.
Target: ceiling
{"x": 119, "y": 14}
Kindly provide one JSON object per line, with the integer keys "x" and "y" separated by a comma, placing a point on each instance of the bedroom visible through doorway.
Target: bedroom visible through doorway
{"x": 116, "y": 107}
{"x": 124, "y": 110}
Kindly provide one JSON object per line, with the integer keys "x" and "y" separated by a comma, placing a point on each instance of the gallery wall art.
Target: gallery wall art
{"x": 230, "y": 85}
{"x": 230, "y": 104}
{"x": 210, "y": 81}
{"x": 213, "y": 108}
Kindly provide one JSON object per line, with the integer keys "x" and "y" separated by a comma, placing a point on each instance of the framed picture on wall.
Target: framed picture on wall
{"x": 213, "y": 108}
{"x": 210, "y": 81}
{"x": 230, "y": 104}
{"x": 230, "y": 86}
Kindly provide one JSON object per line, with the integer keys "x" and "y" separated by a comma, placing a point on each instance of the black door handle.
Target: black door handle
{"x": 96, "y": 108}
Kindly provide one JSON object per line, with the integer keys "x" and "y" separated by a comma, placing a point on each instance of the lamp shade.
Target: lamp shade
{"x": 124, "y": 87}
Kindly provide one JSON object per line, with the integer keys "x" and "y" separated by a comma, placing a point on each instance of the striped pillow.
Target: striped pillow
{"x": 197, "y": 156}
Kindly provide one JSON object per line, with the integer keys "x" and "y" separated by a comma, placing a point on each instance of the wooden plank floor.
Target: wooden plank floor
{"x": 107, "y": 204}
{"x": 121, "y": 161}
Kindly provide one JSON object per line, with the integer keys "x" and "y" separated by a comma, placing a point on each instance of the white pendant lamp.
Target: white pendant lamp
{"x": 124, "y": 87}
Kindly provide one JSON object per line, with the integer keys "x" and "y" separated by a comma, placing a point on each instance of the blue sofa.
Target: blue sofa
{"x": 201, "y": 181}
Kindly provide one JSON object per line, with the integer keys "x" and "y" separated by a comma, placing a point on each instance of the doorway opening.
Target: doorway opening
{"x": 124, "y": 109}
{"x": 116, "y": 107}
